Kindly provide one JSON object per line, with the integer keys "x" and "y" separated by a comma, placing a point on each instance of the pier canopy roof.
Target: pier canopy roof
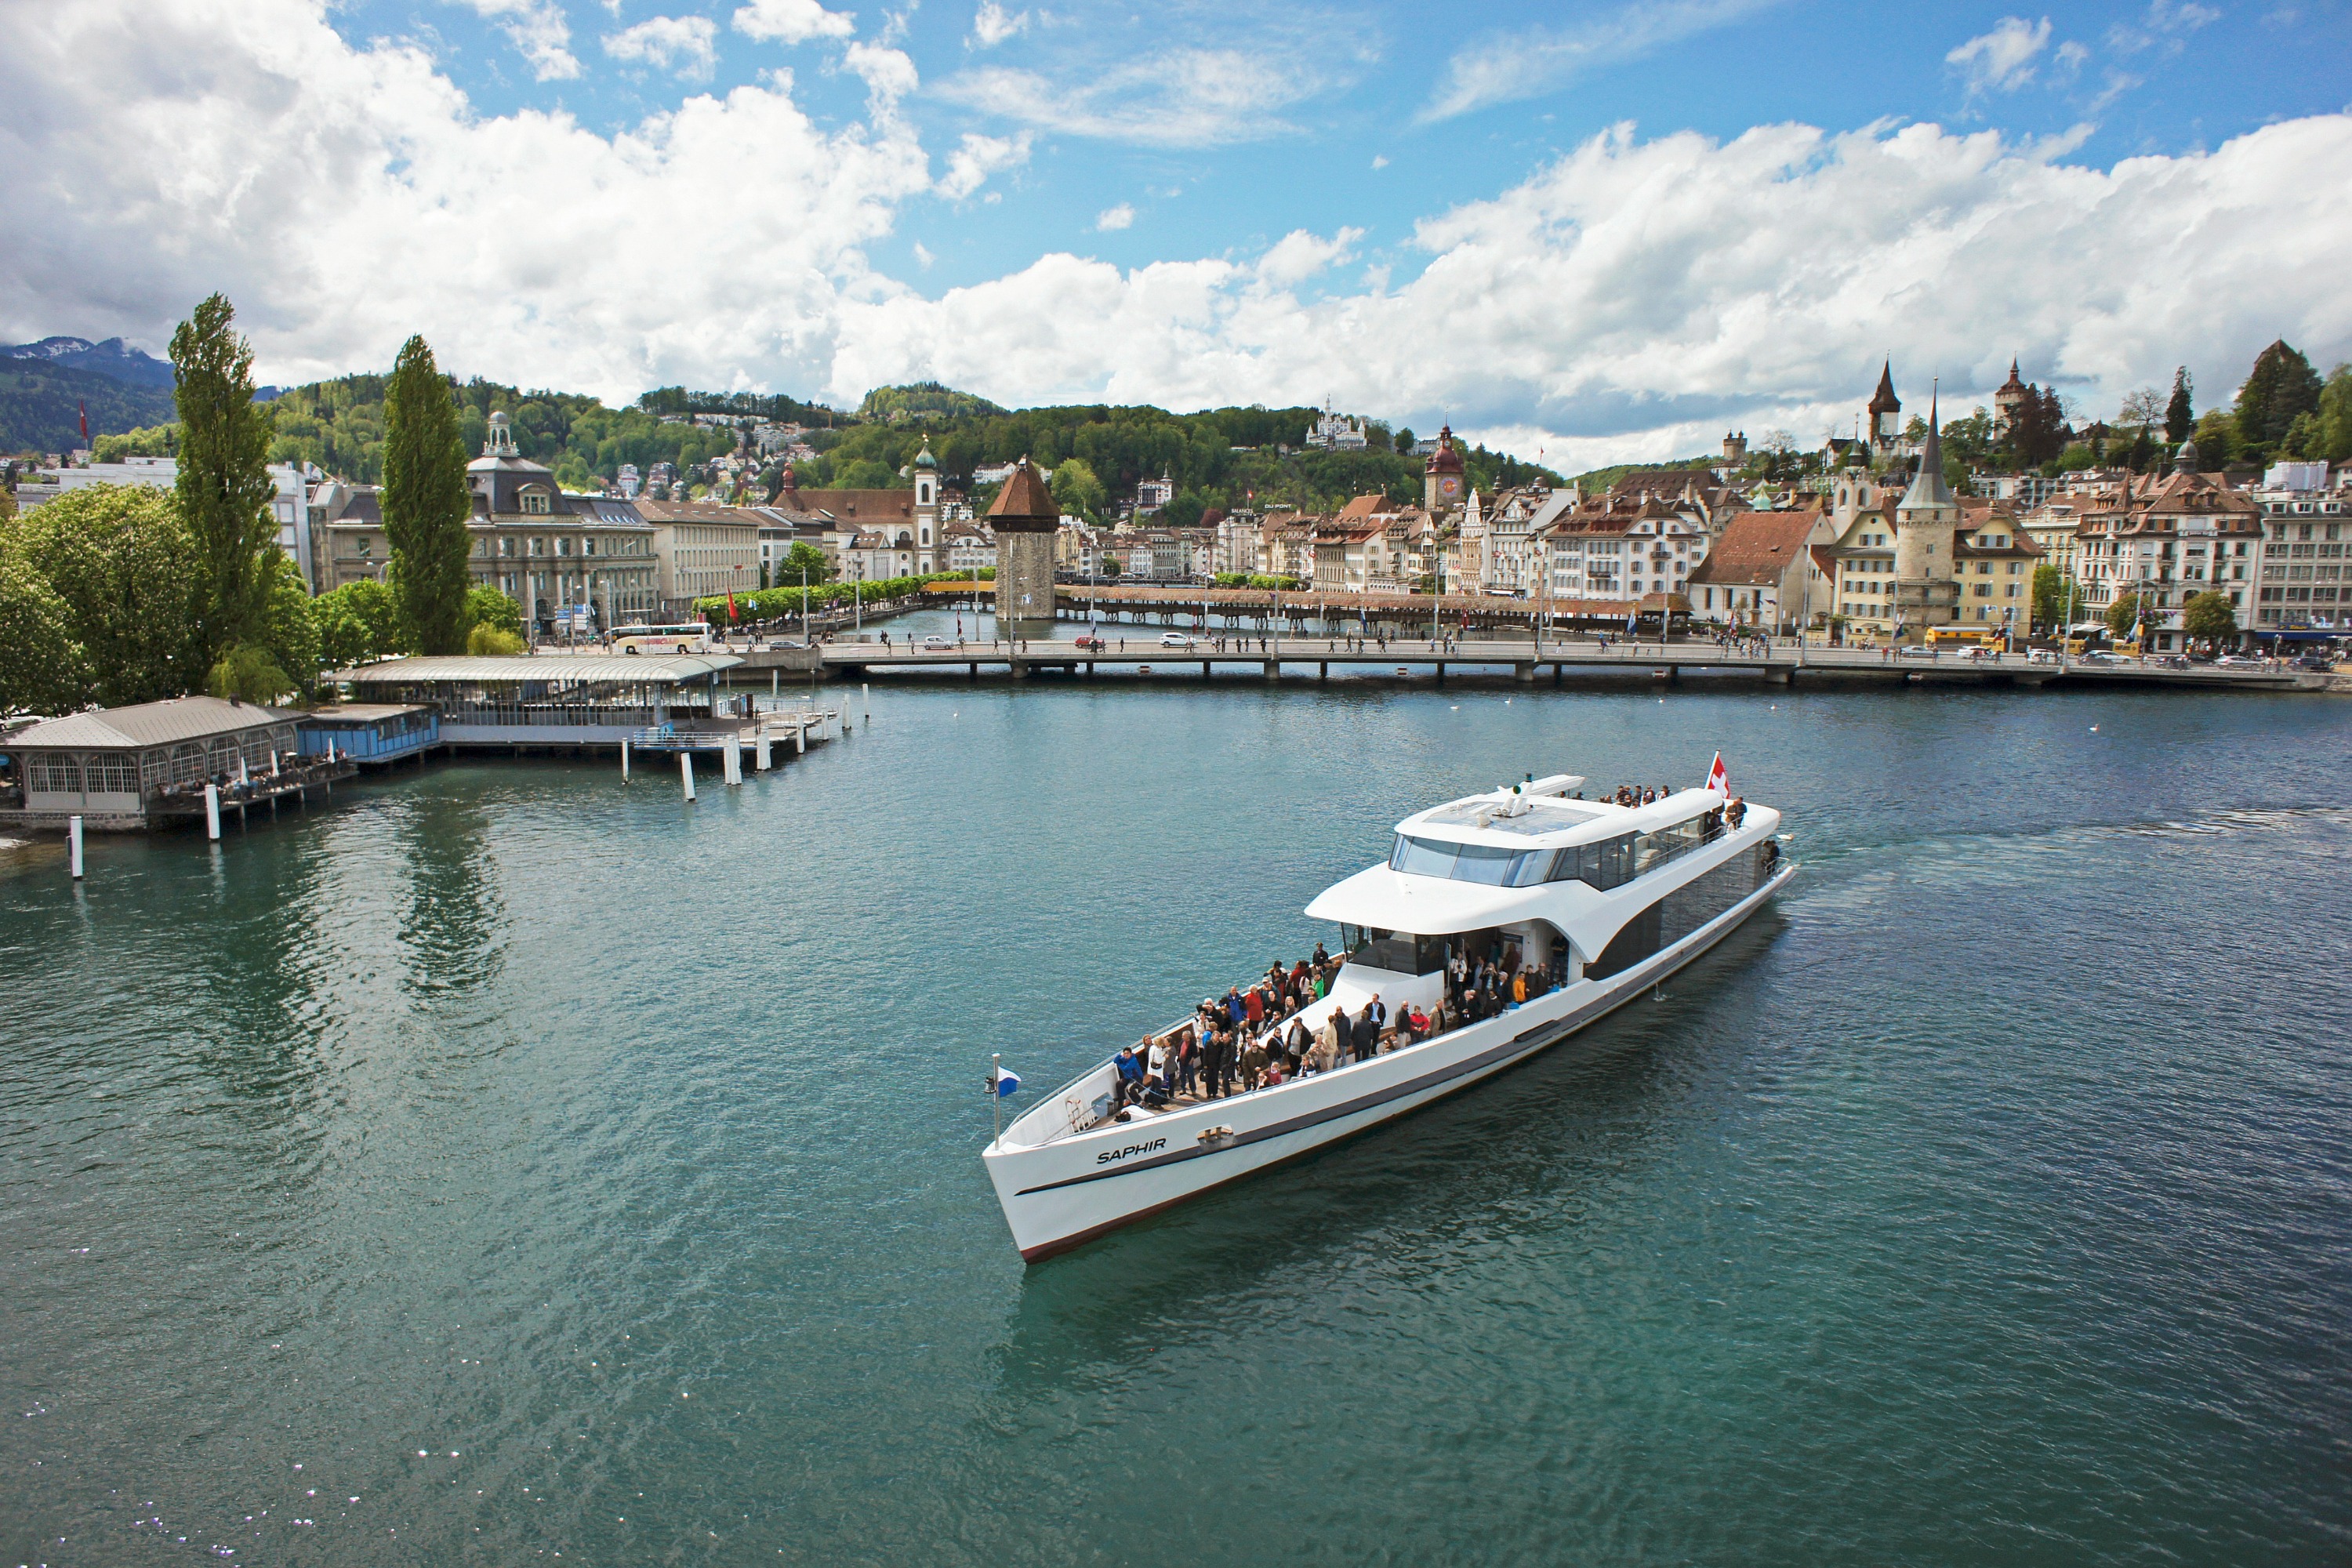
{"x": 146, "y": 724}
{"x": 631, "y": 669}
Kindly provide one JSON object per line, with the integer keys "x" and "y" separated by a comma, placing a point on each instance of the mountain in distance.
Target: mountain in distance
{"x": 115, "y": 358}
{"x": 41, "y": 404}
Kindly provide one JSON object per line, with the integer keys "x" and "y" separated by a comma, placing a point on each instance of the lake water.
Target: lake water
{"x": 507, "y": 1162}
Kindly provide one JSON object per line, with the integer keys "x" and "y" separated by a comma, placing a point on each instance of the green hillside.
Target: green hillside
{"x": 40, "y": 403}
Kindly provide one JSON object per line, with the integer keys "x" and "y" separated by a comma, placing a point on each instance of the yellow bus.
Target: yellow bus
{"x": 1948, "y": 637}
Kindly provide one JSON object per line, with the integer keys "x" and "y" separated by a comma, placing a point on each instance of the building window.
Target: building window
{"x": 535, "y": 502}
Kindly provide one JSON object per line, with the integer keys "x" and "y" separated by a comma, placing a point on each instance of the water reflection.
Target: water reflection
{"x": 453, "y": 928}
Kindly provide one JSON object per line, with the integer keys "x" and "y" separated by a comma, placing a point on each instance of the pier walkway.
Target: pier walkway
{"x": 1781, "y": 662}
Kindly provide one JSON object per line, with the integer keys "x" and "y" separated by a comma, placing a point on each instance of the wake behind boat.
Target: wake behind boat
{"x": 1501, "y": 924}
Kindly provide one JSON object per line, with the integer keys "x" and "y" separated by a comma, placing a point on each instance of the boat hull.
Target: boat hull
{"x": 1061, "y": 1195}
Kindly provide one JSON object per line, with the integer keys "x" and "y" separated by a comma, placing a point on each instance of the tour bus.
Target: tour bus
{"x": 682, "y": 636}
{"x": 1945, "y": 637}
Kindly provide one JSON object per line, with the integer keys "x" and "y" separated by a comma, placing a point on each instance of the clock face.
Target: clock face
{"x": 1449, "y": 485}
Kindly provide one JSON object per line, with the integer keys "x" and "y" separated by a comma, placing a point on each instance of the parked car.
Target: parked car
{"x": 1174, "y": 640}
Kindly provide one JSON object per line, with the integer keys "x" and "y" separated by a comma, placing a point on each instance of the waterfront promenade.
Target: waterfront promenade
{"x": 1780, "y": 662}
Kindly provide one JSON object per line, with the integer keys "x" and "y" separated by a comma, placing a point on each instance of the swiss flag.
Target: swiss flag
{"x": 1717, "y": 779}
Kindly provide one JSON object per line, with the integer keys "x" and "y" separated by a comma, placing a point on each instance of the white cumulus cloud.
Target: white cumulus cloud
{"x": 793, "y": 21}
{"x": 536, "y": 28}
{"x": 1630, "y": 299}
{"x": 523, "y": 245}
{"x": 1300, "y": 255}
{"x": 2001, "y": 60}
{"x": 992, "y": 23}
{"x": 1112, "y": 219}
{"x": 977, "y": 157}
{"x": 889, "y": 74}
{"x": 681, "y": 43}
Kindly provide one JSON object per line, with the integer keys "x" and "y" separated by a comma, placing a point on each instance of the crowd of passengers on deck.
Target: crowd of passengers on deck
{"x": 1258, "y": 1038}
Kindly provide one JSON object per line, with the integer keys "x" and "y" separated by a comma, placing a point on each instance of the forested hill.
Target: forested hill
{"x": 1224, "y": 457}
{"x": 41, "y": 403}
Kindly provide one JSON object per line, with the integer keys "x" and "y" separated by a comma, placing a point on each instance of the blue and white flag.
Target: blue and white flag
{"x": 1006, "y": 1083}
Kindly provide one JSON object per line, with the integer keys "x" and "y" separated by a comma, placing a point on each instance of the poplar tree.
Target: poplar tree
{"x": 2180, "y": 418}
{"x": 425, "y": 501}
{"x": 225, "y": 489}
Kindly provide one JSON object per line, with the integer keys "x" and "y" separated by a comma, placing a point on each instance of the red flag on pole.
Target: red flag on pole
{"x": 85, "y": 421}
{"x": 1717, "y": 779}
{"x": 730, "y": 605}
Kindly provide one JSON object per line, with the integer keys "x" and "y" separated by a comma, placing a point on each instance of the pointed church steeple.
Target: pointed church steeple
{"x": 1927, "y": 487}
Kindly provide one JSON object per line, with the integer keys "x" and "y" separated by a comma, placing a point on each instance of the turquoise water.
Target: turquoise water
{"x": 1987, "y": 1201}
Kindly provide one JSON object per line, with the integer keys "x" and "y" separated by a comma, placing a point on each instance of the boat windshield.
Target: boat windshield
{"x": 1398, "y": 951}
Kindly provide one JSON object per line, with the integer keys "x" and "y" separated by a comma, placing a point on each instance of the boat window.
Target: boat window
{"x": 1604, "y": 864}
{"x": 1485, "y": 864}
{"x": 1655, "y": 849}
{"x": 1399, "y": 951}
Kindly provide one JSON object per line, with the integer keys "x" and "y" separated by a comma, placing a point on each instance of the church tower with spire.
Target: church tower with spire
{"x": 2007, "y": 399}
{"x": 1886, "y": 411}
{"x": 1927, "y": 522}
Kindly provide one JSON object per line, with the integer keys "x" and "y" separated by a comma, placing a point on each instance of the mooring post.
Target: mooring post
{"x": 799, "y": 736}
{"x": 73, "y": 846}
{"x": 625, "y": 759}
{"x": 734, "y": 760}
{"x": 865, "y": 702}
{"x": 762, "y": 756}
{"x": 685, "y": 772}
{"x": 212, "y": 812}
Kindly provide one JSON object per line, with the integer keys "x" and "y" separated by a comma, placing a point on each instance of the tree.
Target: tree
{"x": 803, "y": 557}
{"x": 2128, "y": 611}
{"x": 2054, "y": 593}
{"x": 487, "y": 607}
{"x": 424, "y": 499}
{"x": 1076, "y": 490}
{"x": 2142, "y": 409}
{"x": 289, "y": 627}
{"x": 225, "y": 487}
{"x": 863, "y": 474}
{"x": 2333, "y": 438}
{"x": 2180, "y": 417}
{"x": 2208, "y": 617}
{"x": 120, "y": 559}
{"x": 42, "y": 669}
{"x": 358, "y": 622}
{"x": 2280, "y": 385}
{"x": 2216, "y": 438}
{"x": 486, "y": 641}
{"x": 249, "y": 674}
{"x": 2037, "y": 432}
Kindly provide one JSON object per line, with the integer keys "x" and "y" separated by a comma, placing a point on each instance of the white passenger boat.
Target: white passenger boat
{"x": 1605, "y": 899}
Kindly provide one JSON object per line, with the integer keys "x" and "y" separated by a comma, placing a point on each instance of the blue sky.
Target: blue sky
{"x": 1601, "y": 231}
{"x": 1375, "y": 115}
